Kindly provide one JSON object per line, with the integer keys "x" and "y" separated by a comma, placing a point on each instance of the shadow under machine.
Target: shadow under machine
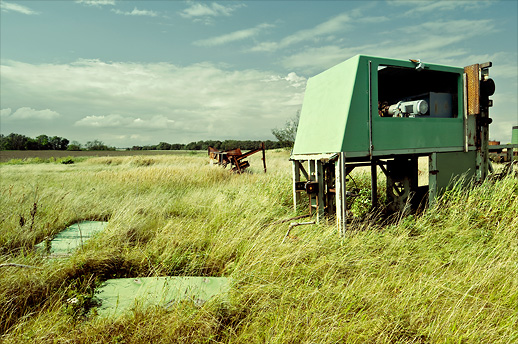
{"x": 386, "y": 113}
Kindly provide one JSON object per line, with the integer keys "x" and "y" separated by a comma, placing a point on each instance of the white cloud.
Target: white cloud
{"x": 29, "y": 113}
{"x": 201, "y": 10}
{"x": 265, "y": 46}
{"x": 233, "y": 36}
{"x": 333, "y": 25}
{"x": 163, "y": 101}
{"x": 156, "y": 122}
{"x": 97, "y": 3}
{"x": 5, "y": 112}
{"x": 109, "y": 121}
{"x": 118, "y": 121}
{"x": 433, "y": 41}
{"x": 322, "y": 31}
{"x": 422, "y": 7}
{"x": 372, "y": 20}
{"x": 137, "y": 12}
{"x": 205, "y": 12}
{"x": 10, "y": 7}
{"x": 328, "y": 27}
{"x": 294, "y": 79}
{"x": 317, "y": 59}
{"x": 463, "y": 27}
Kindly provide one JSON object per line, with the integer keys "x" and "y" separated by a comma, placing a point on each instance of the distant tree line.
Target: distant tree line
{"x": 15, "y": 141}
{"x": 97, "y": 145}
{"x": 43, "y": 142}
{"x": 220, "y": 145}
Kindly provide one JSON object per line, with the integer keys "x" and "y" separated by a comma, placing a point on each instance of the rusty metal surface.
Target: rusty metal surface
{"x": 235, "y": 158}
{"x": 472, "y": 88}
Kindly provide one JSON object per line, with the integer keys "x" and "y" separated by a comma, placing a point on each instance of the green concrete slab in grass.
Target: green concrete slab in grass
{"x": 123, "y": 294}
{"x": 68, "y": 240}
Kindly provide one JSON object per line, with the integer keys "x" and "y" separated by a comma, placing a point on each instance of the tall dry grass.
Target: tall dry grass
{"x": 445, "y": 276}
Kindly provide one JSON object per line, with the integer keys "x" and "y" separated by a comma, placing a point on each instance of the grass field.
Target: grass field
{"x": 35, "y": 156}
{"x": 445, "y": 276}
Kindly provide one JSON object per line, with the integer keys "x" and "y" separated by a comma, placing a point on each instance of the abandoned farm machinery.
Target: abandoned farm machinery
{"x": 385, "y": 114}
{"x": 235, "y": 158}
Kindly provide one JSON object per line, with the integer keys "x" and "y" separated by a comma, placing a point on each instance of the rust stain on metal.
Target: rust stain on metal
{"x": 235, "y": 158}
{"x": 473, "y": 89}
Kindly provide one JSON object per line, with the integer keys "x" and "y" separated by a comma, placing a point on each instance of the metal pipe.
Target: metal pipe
{"x": 343, "y": 195}
{"x": 371, "y": 147}
{"x": 374, "y": 185}
{"x": 465, "y": 102}
{"x": 374, "y": 179}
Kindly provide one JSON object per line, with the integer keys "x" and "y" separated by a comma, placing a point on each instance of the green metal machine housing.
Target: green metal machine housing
{"x": 386, "y": 113}
{"x": 337, "y": 104}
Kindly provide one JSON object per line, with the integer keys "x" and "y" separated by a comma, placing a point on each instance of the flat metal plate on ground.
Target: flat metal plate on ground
{"x": 73, "y": 237}
{"x": 121, "y": 295}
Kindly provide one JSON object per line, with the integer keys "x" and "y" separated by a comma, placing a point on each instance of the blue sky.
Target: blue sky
{"x": 140, "y": 72}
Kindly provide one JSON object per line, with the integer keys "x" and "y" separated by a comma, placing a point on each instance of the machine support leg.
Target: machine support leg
{"x": 484, "y": 150}
{"x": 374, "y": 184}
{"x": 311, "y": 177}
{"x": 264, "y": 156}
{"x": 432, "y": 179}
{"x": 465, "y": 123}
{"x": 321, "y": 185}
{"x": 340, "y": 194}
{"x": 296, "y": 178}
{"x": 311, "y": 170}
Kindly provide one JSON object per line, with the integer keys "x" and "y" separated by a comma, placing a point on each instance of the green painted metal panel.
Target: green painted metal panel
{"x": 325, "y": 109}
{"x": 515, "y": 136}
{"x": 396, "y": 133}
{"x": 453, "y": 166}
{"x": 122, "y": 294}
{"x": 68, "y": 240}
{"x": 356, "y": 138}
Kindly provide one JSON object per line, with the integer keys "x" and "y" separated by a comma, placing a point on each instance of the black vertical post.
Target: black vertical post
{"x": 374, "y": 184}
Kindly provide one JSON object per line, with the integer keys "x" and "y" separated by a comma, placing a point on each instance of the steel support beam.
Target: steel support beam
{"x": 295, "y": 169}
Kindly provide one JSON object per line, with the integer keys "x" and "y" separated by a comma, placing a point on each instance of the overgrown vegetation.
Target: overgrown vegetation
{"x": 445, "y": 276}
{"x": 63, "y": 160}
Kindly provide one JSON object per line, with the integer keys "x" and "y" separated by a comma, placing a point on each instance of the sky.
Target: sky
{"x": 143, "y": 72}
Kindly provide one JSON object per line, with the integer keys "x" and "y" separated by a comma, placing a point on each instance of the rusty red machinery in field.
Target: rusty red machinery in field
{"x": 235, "y": 157}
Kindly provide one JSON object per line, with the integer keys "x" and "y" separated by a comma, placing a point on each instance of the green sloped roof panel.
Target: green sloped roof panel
{"x": 325, "y": 109}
